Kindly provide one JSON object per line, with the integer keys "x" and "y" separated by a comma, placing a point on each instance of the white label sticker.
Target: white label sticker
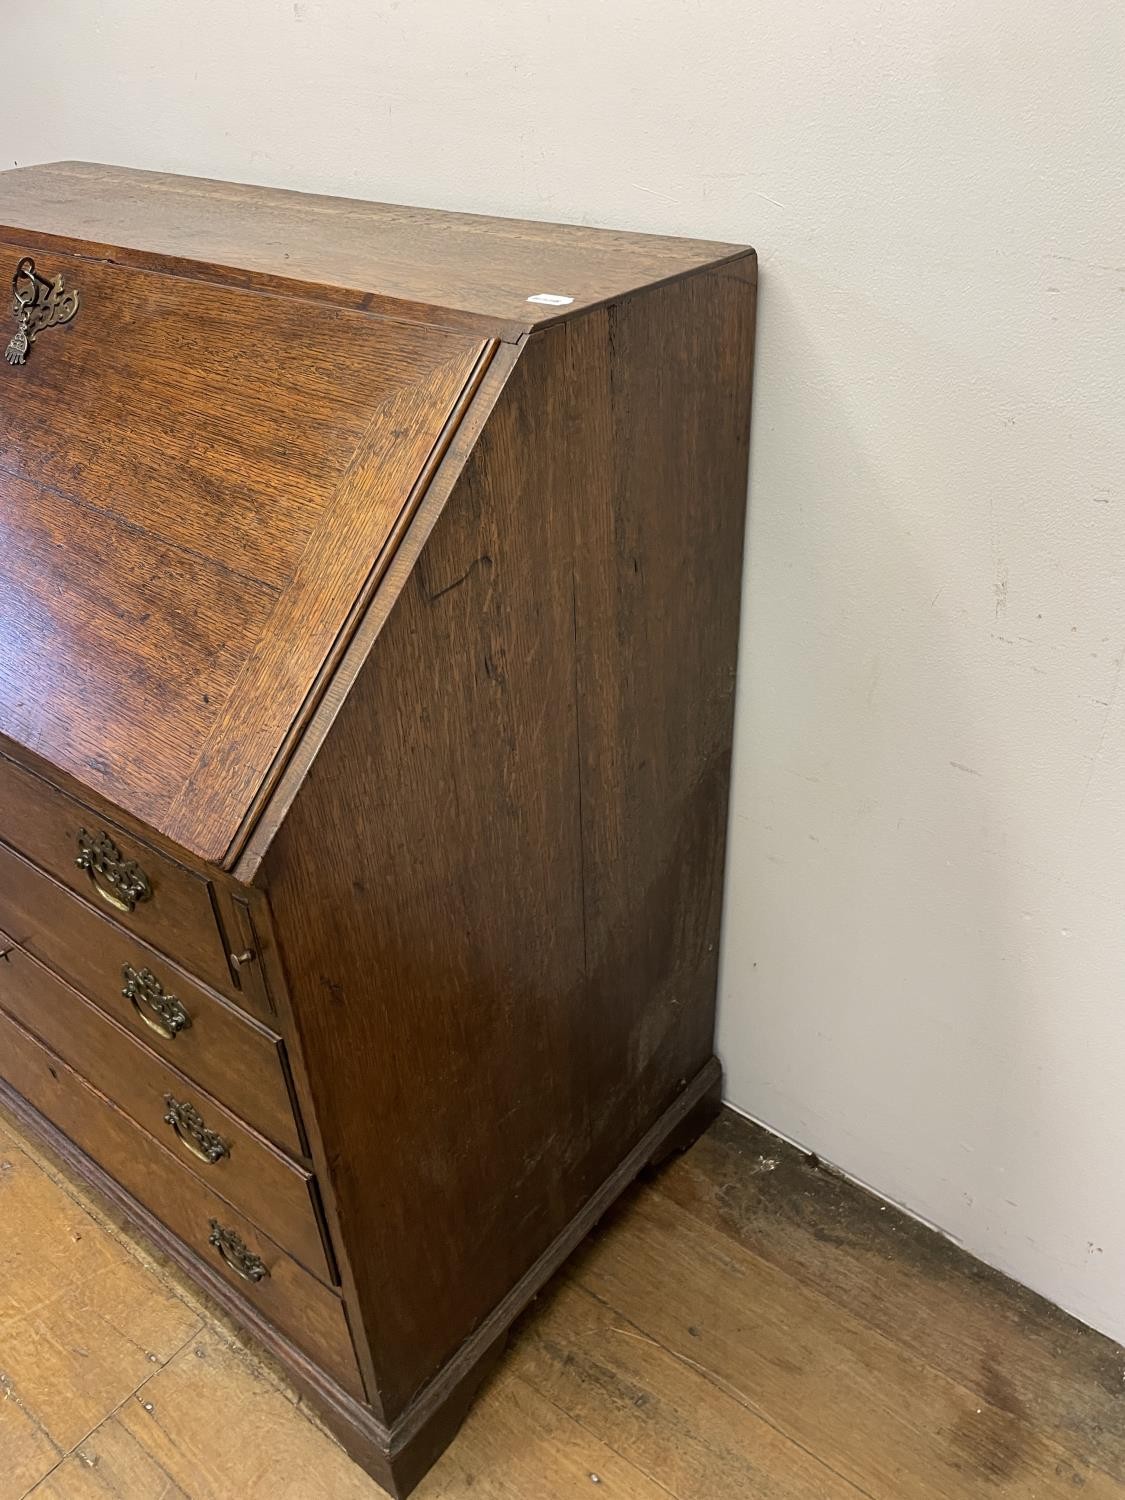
{"x": 551, "y": 299}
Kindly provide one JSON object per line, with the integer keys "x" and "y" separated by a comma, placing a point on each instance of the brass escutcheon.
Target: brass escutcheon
{"x": 38, "y": 304}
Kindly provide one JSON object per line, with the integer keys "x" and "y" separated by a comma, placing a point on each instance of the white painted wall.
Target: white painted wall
{"x": 924, "y": 972}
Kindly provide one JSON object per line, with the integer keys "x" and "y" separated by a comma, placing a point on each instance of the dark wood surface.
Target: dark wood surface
{"x": 415, "y": 528}
{"x": 393, "y": 904}
{"x": 657, "y": 549}
{"x": 43, "y": 824}
{"x": 331, "y": 587}
{"x": 557, "y": 675}
{"x": 399, "y": 650}
{"x": 363, "y": 254}
{"x": 307, "y": 1311}
{"x": 230, "y": 1056}
{"x": 244, "y": 983}
{"x": 275, "y": 1192}
{"x": 196, "y": 483}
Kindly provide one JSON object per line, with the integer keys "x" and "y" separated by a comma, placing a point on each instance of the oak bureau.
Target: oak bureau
{"x": 369, "y": 601}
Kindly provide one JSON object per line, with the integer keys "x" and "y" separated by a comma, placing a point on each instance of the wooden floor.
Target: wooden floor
{"x": 745, "y": 1327}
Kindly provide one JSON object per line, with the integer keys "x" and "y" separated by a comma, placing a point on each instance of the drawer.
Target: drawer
{"x": 231, "y": 1159}
{"x": 231, "y": 1056}
{"x": 295, "y": 1302}
{"x": 149, "y": 894}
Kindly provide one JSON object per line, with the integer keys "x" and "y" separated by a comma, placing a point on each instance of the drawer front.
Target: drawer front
{"x": 150, "y": 895}
{"x": 310, "y": 1314}
{"x": 234, "y": 1058}
{"x": 234, "y": 1162}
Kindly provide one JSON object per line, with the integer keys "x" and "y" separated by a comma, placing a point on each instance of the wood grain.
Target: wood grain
{"x": 163, "y": 534}
{"x": 429, "y": 626}
{"x": 399, "y": 558}
{"x": 81, "y": 1323}
{"x": 258, "y": 1452}
{"x": 664, "y": 1414}
{"x": 522, "y": 1446}
{"x": 526, "y": 694}
{"x": 27, "y": 1448}
{"x": 361, "y": 254}
{"x": 277, "y": 1194}
{"x": 111, "y": 1465}
{"x": 43, "y": 824}
{"x": 589, "y": 1390}
{"x": 896, "y": 1426}
{"x": 316, "y": 607}
{"x": 658, "y": 541}
{"x": 166, "y": 1444}
{"x": 95, "y": 655}
{"x": 457, "y": 749}
{"x": 228, "y": 1054}
{"x": 1009, "y": 1347}
{"x": 217, "y": 421}
{"x": 307, "y": 1311}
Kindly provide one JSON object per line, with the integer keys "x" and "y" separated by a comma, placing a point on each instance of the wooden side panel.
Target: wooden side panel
{"x": 435, "y": 960}
{"x": 658, "y": 564}
{"x": 496, "y": 894}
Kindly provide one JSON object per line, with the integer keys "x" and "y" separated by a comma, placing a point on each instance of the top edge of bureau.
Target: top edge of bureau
{"x": 419, "y": 263}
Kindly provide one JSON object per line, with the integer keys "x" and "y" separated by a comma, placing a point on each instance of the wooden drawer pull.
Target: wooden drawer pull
{"x": 193, "y": 1133}
{"x": 242, "y": 1261}
{"x": 155, "y": 1006}
{"x": 120, "y": 882}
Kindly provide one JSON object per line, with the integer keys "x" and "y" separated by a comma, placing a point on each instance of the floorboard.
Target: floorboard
{"x": 1009, "y": 1347}
{"x": 743, "y": 1326}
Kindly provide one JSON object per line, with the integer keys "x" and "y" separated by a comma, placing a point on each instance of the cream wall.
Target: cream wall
{"x": 924, "y": 969}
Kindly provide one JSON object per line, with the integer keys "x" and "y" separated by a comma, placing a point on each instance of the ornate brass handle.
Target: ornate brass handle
{"x": 193, "y": 1134}
{"x": 152, "y": 1002}
{"x": 242, "y": 1261}
{"x": 38, "y": 304}
{"x": 118, "y": 881}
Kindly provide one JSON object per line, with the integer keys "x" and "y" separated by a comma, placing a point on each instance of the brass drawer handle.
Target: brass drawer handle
{"x": 118, "y": 881}
{"x": 193, "y": 1134}
{"x": 231, "y": 1247}
{"x": 152, "y": 1002}
{"x": 38, "y": 304}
